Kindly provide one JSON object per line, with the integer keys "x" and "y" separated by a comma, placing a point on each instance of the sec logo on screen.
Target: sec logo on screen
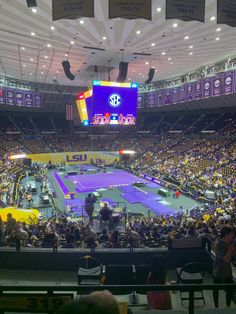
{"x": 114, "y": 100}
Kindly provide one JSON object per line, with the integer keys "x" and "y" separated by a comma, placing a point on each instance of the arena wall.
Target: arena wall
{"x": 71, "y": 158}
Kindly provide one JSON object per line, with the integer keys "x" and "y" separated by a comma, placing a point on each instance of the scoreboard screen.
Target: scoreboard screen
{"x": 109, "y": 103}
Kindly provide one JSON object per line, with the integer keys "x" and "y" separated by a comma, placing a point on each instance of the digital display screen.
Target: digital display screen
{"x": 109, "y": 103}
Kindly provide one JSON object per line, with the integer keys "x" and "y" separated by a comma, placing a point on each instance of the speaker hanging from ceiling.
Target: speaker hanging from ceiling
{"x": 123, "y": 69}
{"x": 150, "y": 76}
{"x": 31, "y": 3}
{"x": 66, "y": 68}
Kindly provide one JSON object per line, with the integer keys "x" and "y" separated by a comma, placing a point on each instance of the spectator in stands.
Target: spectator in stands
{"x": 222, "y": 271}
{"x": 99, "y": 302}
{"x": 89, "y": 206}
{"x": 2, "y": 231}
{"x": 11, "y": 224}
{"x": 29, "y": 199}
{"x": 160, "y": 300}
{"x": 105, "y": 214}
{"x": 176, "y": 194}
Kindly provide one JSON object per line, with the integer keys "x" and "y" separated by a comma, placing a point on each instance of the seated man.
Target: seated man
{"x": 105, "y": 213}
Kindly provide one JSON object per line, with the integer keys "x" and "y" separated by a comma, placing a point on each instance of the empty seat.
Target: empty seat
{"x": 89, "y": 270}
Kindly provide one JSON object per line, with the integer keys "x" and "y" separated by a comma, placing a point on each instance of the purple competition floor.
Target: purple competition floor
{"x": 118, "y": 178}
{"x": 91, "y": 182}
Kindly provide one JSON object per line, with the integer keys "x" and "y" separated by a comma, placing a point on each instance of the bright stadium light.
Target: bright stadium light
{"x": 17, "y": 156}
{"x": 128, "y": 152}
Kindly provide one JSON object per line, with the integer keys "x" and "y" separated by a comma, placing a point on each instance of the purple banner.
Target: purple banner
{"x": 19, "y": 98}
{"x": 207, "y": 87}
{"x": 175, "y": 95}
{"x": 151, "y": 99}
{"x": 167, "y": 97}
{"x": 198, "y": 90}
{"x": 228, "y": 82}
{"x": 159, "y": 98}
{"x": 10, "y": 97}
{"x": 217, "y": 85}
{"x": 37, "y": 100}
{"x": 190, "y": 91}
{"x": 140, "y": 100}
{"x": 182, "y": 94}
{"x": 29, "y": 99}
{"x": 2, "y": 96}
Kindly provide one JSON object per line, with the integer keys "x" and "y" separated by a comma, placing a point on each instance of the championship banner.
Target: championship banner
{"x": 29, "y": 100}
{"x": 72, "y": 9}
{"x": 10, "y": 97}
{"x": 207, "y": 88}
{"x": 167, "y": 97}
{"x": 182, "y": 93}
{"x": 130, "y": 9}
{"x": 37, "y": 100}
{"x": 198, "y": 90}
{"x": 226, "y": 12}
{"x": 141, "y": 100}
{"x": 19, "y": 98}
{"x": 190, "y": 91}
{"x": 151, "y": 99}
{"x": 228, "y": 82}
{"x": 175, "y": 95}
{"x": 159, "y": 98}
{"x": 2, "y": 96}
{"x": 186, "y": 10}
{"x": 217, "y": 85}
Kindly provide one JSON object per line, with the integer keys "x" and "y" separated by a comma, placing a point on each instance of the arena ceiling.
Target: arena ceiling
{"x": 32, "y": 46}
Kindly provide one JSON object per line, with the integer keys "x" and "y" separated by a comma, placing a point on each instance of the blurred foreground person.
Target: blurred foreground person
{"x": 99, "y": 302}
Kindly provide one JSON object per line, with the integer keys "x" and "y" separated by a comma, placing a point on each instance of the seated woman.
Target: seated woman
{"x": 160, "y": 300}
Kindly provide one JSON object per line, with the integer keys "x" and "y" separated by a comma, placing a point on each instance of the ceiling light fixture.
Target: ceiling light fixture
{"x": 213, "y": 18}
{"x": 218, "y": 29}
{"x": 72, "y": 42}
{"x": 49, "y": 45}
{"x": 146, "y": 63}
{"x": 163, "y": 53}
{"x": 42, "y": 72}
{"x": 31, "y": 59}
{"x": 24, "y": 65}
{"x": 153, "y": 44}
{"x": 31, "y": 73}
{"x": 190, "y": 47}
{"x": 23, "y": 48}
{"x": 81, "y": 21}
{"x": 66, "y": 54}
{"x": 169, "y": 59}
{"x": 138, "y": 32}
{"x": 34, "y": 10}
{"x": 104, "y": 38}
{"x": 191, "y": 53}
{"x": 32, "y": 33}
{"x": 175, "y": 25}
{"x": 158, "y": 9}
{"x": 186, "y": 37}
{"x": 52, "y": 28}
{"x": 217, "y": 38}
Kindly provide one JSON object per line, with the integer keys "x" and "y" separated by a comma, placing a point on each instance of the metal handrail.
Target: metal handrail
{"x": 191, "y": 288}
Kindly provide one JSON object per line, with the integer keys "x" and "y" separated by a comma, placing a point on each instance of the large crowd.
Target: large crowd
{"x": 192, "y": 164}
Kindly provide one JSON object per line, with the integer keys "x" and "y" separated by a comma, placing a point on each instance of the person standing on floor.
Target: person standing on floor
{"x": 89, "y": 206}
{"x": 222, "y": 272}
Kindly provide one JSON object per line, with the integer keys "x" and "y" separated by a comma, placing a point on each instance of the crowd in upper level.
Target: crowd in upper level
{"x": 191, "y": 164}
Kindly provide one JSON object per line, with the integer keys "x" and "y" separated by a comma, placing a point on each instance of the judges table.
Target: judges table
{"x": 46, "y": 199}
{"x": 32, "y": 186}
{"x": 163, "y": 192}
